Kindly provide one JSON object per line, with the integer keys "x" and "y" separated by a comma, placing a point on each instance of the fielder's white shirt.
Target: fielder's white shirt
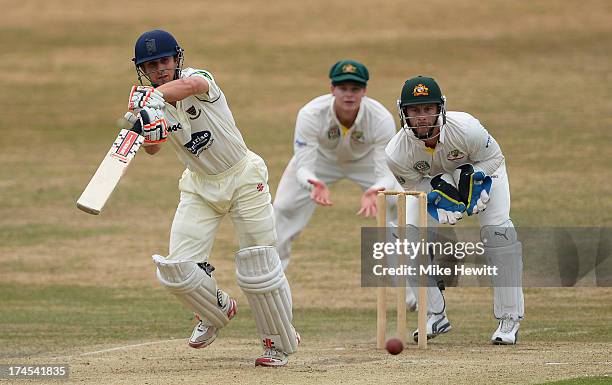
{"x": 462, "y": 140}
{"x": 319, "y": 134}
{"x": 202, "y": 130}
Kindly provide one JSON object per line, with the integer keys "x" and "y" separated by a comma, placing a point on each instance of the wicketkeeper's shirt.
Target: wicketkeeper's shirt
{"x": 202, "y": 129}
{"x": 320, "y": 136}
{"x": 462, "y": 140}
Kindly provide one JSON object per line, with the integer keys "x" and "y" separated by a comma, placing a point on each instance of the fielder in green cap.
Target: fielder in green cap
{"x": 453, "y": 158}
{"x": 340, "y": 135}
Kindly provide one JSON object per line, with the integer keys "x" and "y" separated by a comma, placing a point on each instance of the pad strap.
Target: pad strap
{"x": 194, "y": 286}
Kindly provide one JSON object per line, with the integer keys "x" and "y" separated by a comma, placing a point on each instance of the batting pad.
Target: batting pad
{"x": 504, "y": 251}
{"x": 194, "y": 287}
{"x": 261, "y": 278}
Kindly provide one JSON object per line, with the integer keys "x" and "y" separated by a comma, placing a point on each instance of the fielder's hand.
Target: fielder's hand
{"x": 320, "y": 193}
{"x": 145, "y": 96}
{"x": 154, "y": 126}
{"x": 368, "y": 202}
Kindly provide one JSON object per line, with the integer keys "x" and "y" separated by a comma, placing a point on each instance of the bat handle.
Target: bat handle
{"x": 137, "y": 128}
{"x": 134, "y": 121}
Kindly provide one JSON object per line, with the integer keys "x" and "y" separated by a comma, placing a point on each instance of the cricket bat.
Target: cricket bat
{"x": 113, "y": 167}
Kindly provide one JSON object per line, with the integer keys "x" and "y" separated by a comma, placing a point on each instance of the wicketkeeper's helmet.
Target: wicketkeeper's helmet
{"x": 421, "y": 90}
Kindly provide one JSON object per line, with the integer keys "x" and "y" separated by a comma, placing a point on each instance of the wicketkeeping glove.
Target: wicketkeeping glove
{"x": 444, "y": 201}
{"x": 474, "y": 187}
{"x": 154, "y": 126}
{"x": 145, "y": 96}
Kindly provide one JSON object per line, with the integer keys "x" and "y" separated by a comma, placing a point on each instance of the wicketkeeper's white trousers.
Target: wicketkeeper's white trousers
{"x": 497, "y": 213}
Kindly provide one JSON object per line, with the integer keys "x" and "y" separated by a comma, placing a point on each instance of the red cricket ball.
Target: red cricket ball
{"x": 394, "y": 346}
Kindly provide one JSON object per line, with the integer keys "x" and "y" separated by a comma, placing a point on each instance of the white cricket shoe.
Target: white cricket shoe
{"x": 204, "y": 335}
{"x": 273, "y": 357}
{"x": 436, "y": 324}
{"x": 507, "y": 331}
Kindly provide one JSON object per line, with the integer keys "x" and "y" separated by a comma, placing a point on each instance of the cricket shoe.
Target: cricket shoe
{"x": 204, "y": 335}
{"x": 273, "y": 357}
{"x": 436, "y": 324}
{"x": 507, "y": 331}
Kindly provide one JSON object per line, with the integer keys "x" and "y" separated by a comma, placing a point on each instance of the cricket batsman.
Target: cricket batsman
{"x": 451, "y": 156}
{"x": 186, "y": 108}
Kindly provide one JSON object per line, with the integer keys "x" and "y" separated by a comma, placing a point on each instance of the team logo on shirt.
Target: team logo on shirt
{"x": 357, "y": 136}
{"x": 420, "y": 90}
{"x": 199, "y": 142}
{"x": 400, "y": 179}
{"x": 455, "y": 155}
{"x": 333, "y": 133}
{"x": 193, "y": 112}
{"x": 421, "y": 166}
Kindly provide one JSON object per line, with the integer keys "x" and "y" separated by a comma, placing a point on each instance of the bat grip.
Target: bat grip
{"x": 134, "y": 122}
{"x": 137, "y": 128}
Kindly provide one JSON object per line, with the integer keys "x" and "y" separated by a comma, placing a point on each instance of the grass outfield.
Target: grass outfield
{"x": 536, "y": 74}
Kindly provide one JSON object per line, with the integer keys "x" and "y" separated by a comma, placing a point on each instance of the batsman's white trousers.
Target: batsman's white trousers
{"x": 293, "y": 206}
{"x": 241, "y": 191}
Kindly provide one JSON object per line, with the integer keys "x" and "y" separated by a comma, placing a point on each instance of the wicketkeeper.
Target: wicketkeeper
{"x": 451, "y": 156}
{"x": 222, "y": 177}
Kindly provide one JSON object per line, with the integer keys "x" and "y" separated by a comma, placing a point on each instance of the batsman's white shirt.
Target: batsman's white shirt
{"x": 222, "y": 176}
{"x": 202, "y": 129}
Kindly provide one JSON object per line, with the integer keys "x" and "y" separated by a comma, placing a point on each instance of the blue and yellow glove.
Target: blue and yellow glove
{"x": 474, "y": 187}
{"x": 444, "y": 202}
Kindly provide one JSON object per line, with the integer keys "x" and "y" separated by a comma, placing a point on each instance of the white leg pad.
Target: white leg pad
{"x": 504, "y": 251}
{"x": 194, "y": 287}
{"x": 260, "y": 276}
{"x": 435, "y": 298}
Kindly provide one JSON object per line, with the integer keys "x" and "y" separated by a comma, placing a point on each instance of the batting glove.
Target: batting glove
{"x": 145, "y": 96}
{"x": 154, "y": 126}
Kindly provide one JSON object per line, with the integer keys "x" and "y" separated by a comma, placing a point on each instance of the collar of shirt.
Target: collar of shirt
{"x": 442, "y": 134}
{"x": 334, "y": 117}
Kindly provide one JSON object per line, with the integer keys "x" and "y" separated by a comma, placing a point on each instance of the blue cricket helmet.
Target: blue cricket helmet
{"x": 153, "y": 45}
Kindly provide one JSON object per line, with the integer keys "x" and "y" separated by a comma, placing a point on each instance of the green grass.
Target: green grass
{"x": 45, "y": 319}
{"x": 53, "y": 319}
{"x": 535, "y": 73}
{"x": 41, "y": 233}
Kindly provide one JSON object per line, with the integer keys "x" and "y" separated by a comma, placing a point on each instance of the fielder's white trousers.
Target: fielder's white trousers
{"x": 293, "y": 207}
{"x": 241, "y": 191}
